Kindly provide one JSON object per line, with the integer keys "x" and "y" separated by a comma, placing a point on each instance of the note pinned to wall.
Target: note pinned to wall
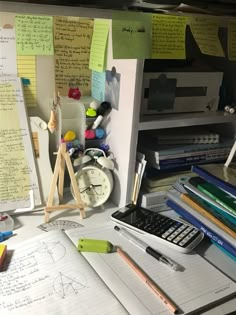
{"x": 99, "y": 45}
{"x": 168, "y": 36}
{"x": 98, "y": 85}
{"x": 72, "y": 41}
{"x": 34, "y": 35}
{"x": 17, "y": 165}
{"x": 205, "y": 33}
{"x": 131, "y": 35}
{"x": 232, "y": 40}
{"x": 27, "y": 69}
{"x": 8, "y": 51}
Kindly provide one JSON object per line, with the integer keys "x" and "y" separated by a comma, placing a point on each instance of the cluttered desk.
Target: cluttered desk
{"x": 92, "y": 257}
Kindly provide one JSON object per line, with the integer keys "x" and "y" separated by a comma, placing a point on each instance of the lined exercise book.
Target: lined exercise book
{"x": 199, "y": 285}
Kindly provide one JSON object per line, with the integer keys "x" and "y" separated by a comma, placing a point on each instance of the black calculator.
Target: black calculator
{"x": 176, "y": 234}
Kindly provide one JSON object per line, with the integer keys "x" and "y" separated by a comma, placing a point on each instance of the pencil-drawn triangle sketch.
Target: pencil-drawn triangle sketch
{"x": 65, "y": 285}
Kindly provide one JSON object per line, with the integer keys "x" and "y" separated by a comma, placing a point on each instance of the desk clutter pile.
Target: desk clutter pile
{"x": 205, "y": 197}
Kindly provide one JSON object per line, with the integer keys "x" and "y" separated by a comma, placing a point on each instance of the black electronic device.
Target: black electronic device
{"x": 176, "y": 234}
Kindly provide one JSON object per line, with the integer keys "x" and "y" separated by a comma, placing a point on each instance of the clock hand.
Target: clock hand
{"x": 84, "y": 190}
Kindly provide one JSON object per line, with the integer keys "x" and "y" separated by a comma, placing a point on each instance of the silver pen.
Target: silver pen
{"x": 149, "y": 250}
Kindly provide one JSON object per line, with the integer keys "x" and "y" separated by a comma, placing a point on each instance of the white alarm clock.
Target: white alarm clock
{"x": 95, "y": 180}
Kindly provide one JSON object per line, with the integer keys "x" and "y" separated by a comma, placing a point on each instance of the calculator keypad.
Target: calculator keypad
{"x": 173, "y": 231}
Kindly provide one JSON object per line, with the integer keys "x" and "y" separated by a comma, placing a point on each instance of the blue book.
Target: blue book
{"x": 198, "y": 224}
{"x": 221, "y": 176}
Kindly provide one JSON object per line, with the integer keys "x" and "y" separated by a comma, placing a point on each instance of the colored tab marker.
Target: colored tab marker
{"x": 25, "y": 81}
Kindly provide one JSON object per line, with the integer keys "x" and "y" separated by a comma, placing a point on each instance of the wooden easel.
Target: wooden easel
{"x": 63, "y": 159}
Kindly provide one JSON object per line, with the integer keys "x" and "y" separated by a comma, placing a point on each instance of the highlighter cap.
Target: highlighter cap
{"x": 92, "y": 245}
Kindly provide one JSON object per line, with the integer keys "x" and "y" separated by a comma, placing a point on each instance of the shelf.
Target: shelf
{"x": 184, "y": 120}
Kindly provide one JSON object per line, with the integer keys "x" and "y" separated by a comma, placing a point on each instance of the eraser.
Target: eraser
{"x": 3, "y": 251}
{"x": 92, "y": 245}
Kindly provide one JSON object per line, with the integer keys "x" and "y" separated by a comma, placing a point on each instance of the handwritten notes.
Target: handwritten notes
{"x": 98, "y": 85}
{"x": 17, "y": 168}
{"x": 99, "y": 45}
{"x": 7, "y": 52}
{"x": 168, "y": 36}
{"x": 205, "y": 33}
{"x": 72, "y": 41}
{"x": 34, "y": 35}
{"x": 47, "y": 275}
{"x": 232, "y": 40}
{"x": 27, "y": 69}
{"x": 131, "y": 35}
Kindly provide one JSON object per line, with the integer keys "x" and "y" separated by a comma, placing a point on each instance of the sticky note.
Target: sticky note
{"x": 168, "y": 36}
{"x": 3, "y": 251}
{"x": 205, "y": 33}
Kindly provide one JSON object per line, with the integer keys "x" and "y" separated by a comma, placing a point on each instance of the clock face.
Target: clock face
{"x": 95, "y": 185}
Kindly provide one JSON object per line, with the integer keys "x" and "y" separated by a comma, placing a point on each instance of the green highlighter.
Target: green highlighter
{"x": 93, "y": 245}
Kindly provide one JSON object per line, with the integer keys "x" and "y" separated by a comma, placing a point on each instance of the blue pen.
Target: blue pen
{"x": 5, "y": 235}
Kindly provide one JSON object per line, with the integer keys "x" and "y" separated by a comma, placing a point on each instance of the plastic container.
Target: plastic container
{"x": 6, "y": 222}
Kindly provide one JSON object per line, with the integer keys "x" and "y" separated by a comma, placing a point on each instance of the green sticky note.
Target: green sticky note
{"x": 34, "y": 35}
{"x": 131, "y": 35}
{"x": 92, "y": 245}
{"x": 99, "y": 45}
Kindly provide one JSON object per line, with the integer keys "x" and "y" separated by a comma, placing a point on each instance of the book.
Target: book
{"x": 190, "y": 135}
{"x": 219, "y": 175}
{"x": 202, "y": 227}
{"x": 47, "y": 275}
{"x": 207, "y": 215}
{"x": 225, "y": 239}
{"x": 226, "y": 219}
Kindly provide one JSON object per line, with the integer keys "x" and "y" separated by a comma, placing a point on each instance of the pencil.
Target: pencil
{"x": 172, "y": 307}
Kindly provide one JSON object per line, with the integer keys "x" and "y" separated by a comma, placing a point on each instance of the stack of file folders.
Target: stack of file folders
{"x": 209, "y": 203}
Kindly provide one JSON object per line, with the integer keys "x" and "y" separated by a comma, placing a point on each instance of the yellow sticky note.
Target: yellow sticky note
{"x": 26, "y": 69}
{"x": 205, "y": 33}
{"x": 99, "y": 45}
{"x": 3, "y": 250}
{"x": 232, "y": 40}
{"x": 168, "y": 36}
{"x": 34, "y": 35}
{"x": 72, "y": 42}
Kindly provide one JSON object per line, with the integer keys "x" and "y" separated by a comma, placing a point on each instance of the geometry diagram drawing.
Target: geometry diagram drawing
{"x": 66, "y": 285}
{"x": 48, "y": 253}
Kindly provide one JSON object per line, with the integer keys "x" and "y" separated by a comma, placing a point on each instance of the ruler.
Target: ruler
{"x": 59, "y": 225}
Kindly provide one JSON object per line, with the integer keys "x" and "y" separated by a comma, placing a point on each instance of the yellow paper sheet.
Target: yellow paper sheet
{"x": 232, "y": 40}
{"x": 168, "y": 36}
{"x": 34, "y": 35}
{"x": 27, "y": 69}
{"x": 13, "y": 185}
{"x": 99, "y": 45}
{"x": 205, "y": 33}
{"x": 72, "y": 41}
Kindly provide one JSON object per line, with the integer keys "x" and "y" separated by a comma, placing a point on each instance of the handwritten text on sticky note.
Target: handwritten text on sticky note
{"x": 168, "y": 36}
{"x": 34, "y": 35}
{"x": 205, "y": 33}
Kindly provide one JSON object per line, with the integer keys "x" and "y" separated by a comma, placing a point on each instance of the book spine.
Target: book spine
{"x": 196, "y": 153}
{"x": 225, "y": 217}
{"x": 208, "y": 232}
{"x": 228, "y": 187}
{"x": 207, "y": 215}
{"x": 195, "y": 158}
{"x": 177, "y": 166}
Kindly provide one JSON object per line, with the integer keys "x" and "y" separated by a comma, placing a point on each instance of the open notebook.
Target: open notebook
{"x": 47, "y": 275}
